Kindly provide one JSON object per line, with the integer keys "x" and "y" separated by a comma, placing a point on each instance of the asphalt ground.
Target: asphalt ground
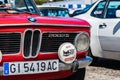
{"x": 104, "y": 69}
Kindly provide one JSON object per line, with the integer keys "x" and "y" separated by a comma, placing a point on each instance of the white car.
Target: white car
{"x": 104, "y": 18}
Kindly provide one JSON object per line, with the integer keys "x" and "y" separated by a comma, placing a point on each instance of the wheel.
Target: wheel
{"x": 79, "y": 75}
{"x": 94, "y": 61}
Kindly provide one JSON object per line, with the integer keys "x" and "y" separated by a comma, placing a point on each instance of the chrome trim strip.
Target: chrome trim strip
{"x": 63, "y": 67}
{"x": 1, "y": 68}
{"x": 1, "y": 71}
{"x": 45, "y": 24}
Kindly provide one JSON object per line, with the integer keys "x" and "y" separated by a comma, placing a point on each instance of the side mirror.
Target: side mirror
{"x": 118, "y": 13}
{"x": 71, "y": 15}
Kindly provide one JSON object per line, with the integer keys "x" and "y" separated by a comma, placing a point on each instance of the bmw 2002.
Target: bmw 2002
{"x": 41, "y": 48}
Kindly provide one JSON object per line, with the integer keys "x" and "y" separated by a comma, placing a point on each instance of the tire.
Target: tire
{"x": 79, "y": 75}
{"x": 95, "y": 59}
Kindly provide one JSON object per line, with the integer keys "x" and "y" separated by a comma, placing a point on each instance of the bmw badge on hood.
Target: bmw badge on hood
{"x": 31, "y": 19}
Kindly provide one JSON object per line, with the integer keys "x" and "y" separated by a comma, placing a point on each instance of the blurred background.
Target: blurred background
{"x": 71, "y": 5}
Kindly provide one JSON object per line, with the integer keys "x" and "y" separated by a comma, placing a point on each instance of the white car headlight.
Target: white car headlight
{"x": 82, "y": 42}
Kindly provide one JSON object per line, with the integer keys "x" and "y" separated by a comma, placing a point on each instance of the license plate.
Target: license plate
{"x": 30, "y": 67}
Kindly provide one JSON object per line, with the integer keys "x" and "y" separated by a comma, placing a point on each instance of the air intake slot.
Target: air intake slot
{"x": 27, "y": 43}
{"x": 10, "y": 43}
{"x": 35, "y": 42}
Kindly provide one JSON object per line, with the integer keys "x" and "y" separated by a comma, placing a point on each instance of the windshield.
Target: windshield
{"x": 19, "y": 5}
{"x": 54, "y": 12}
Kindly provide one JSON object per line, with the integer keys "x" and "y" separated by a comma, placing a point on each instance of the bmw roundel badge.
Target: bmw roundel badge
{"x": 32, "y": 19}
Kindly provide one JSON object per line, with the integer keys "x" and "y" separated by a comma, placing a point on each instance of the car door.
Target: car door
{"x": 109, "y": 34}
{"x": 109, "y": 31}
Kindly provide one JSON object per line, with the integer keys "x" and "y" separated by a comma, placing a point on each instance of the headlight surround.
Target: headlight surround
{"x": 82, "y": 42}
{"x": 0, "y": 56}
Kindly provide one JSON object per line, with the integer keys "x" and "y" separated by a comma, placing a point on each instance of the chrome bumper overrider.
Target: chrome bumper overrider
{"x": 74, "y": 66}
{"x": 77, "y": 64}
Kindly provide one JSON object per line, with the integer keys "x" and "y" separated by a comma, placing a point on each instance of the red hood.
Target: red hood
{"x": 23, "y": 19}
{"x": 62, "y": 21}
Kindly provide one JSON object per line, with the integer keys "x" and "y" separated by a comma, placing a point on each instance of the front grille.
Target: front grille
{"x": 31, "y": 43}
{"x": 10, "y": 43}
{"x": 52, "y": 41}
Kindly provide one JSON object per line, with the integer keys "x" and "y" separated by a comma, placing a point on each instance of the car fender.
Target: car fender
{"x": 94, "y": 40}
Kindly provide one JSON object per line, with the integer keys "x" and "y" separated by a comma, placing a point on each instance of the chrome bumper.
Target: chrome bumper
{"x": 74, "y": 66}
{"x": 78, "y": 64}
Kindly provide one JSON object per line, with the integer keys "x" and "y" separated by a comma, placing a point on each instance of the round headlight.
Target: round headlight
{"x": 82, "y": 42}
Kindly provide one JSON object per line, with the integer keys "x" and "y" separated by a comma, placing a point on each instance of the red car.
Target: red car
{"x": 41, "y": 48}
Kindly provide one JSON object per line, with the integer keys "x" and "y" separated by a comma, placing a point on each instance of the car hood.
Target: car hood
{"x": 38, "y": 20}
{"x": 62, "y": 21}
